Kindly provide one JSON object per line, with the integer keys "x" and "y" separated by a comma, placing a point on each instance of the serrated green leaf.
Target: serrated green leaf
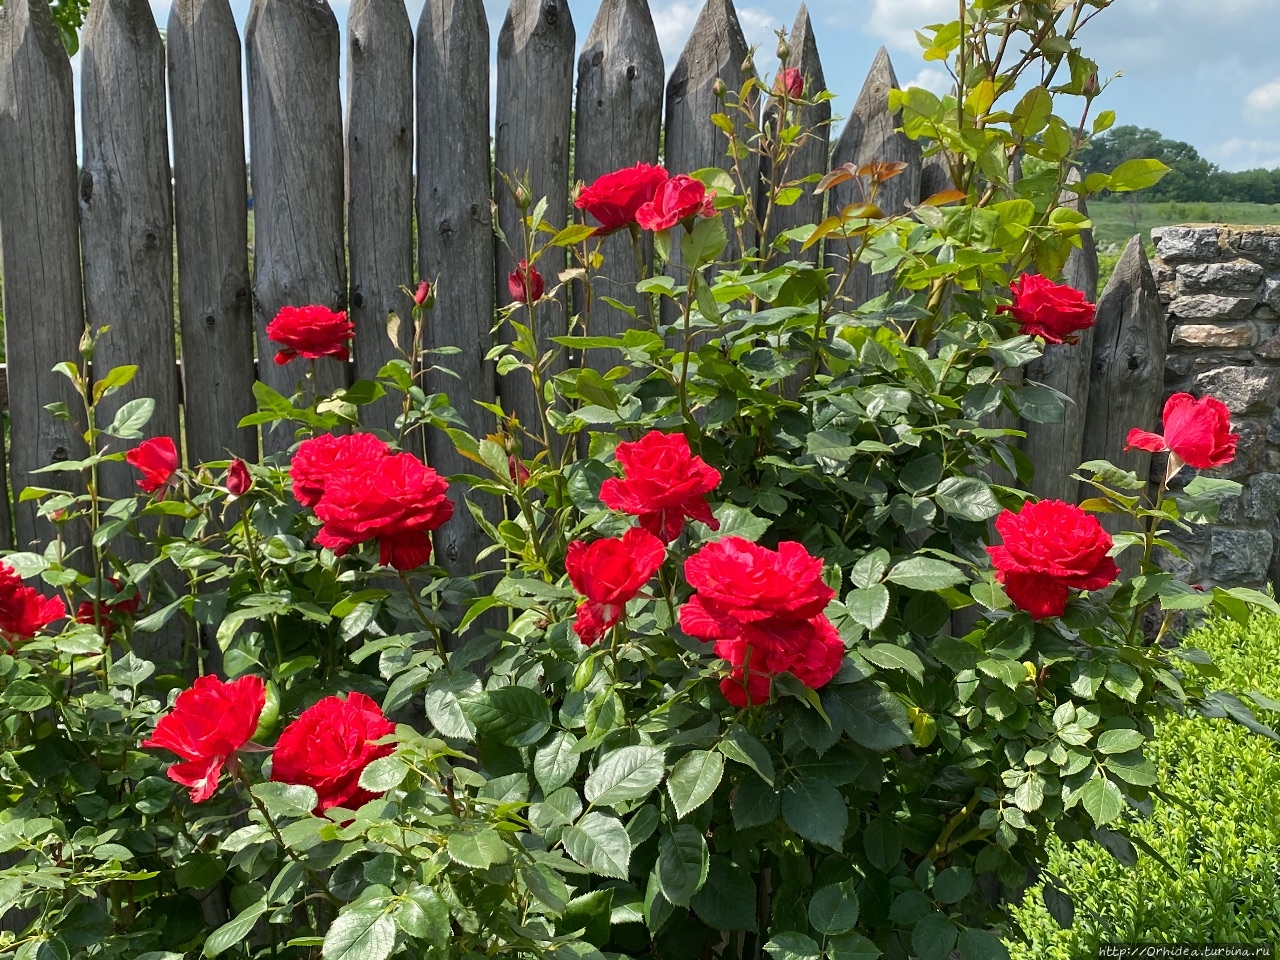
{"x": 683, "y": 861}
{"x": 629, "y": 773}
{"x": 694, "y": 779}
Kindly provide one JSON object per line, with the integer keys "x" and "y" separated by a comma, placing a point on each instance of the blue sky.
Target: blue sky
{"x": 1204, "y": 71}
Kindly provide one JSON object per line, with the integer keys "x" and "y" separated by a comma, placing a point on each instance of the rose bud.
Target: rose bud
{"x": 422, "y": 295}
{"x": 239, "y": 482}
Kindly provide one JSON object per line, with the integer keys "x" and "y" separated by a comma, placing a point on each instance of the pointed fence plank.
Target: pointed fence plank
{"x": 126, "y": 214}
{"x": 935, "y": 176}
{"x": 1126, "y": 383}
{"x": 39, "y": 249}
{"x": 812, "y": 156}
{"x": 1055, "y": 449}
{"x": 455, "y": 240}
{"x": 870, "y": 135}
{"x": 534, "y": 122}
{"x": 210, "y": 201}
{"x": 619, "y": 124}
{"x": 295, "y": 148}
{"x": 379, "y": 187}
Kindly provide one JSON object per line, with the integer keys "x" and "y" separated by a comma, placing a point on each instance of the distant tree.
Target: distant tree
{"x": 1191, "y": 177}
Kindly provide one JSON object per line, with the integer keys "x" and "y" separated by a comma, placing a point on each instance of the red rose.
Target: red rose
{"x": 1050, "y": 547}
{"x": 615, "y": 197}
{"x": 109, "y": 610}
{"x": 422, "y": 295}
{"x": 395, "y": 499}
{"x": 525, "y": 284}
{"x": 1050, "y": 310}
{"x": 206, "y": 726}
{"x": 608, "y": 573}
{"x": 24, "y": 611}
{"x": 328, "y": 747}
{"x": 679, "y": 199}
{"x": 791, "y": 82}
{"x": 157, "y": 458}
{"x": 239, "y": 482}
{"x": 764, "y": 610}
{"x": 323, "y": 457}
{"x": 519, "y": 472}
{"x": 663, "y": 483}
{"x": 1197, "y": 432}
{"x": 311, "y": 332}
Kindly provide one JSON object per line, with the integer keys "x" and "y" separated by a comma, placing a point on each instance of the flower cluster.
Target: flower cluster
{"x": 108, "y": 611}
{"x": 646, "y": 196}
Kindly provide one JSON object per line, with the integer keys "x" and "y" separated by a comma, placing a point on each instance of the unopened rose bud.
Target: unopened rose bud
{"x": 719, "y": 89}
{"x": 784, "y": 50}
{"x": 519, "y": 472}
{"x": 239, "y": 482}
{"x": 790, "y": 82}
{"x": 749, "y": 64}
{"x": 1091, "y": 86}
{"x": 58, "y": 515}
{"x": 522, "y": 197}
{"x": 422, "y": 295}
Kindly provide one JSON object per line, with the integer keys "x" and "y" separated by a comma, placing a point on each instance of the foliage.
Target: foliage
{"x": 547, "y": 798}
{"x": 1218, "y": 879}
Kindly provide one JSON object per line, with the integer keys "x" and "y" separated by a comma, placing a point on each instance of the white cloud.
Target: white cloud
{"x": 896, "y": 21}
{"x": 1262, "y": 103}
{"x": 933, "y": 80}
{"x": 1242, "y": 153}
{"x": 674, "y": 22}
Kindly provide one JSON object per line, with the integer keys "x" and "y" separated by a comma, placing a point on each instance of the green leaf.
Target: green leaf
{"x": 981, "y": 945}
{"x": 556, "y": 762}
{"x": 694, "y": 779}
{"x": 423, "y": 915}
{"x": 131, "y": 418}
{"x": 360, "y": 933}
{"x": 953, "y": 884}
{"x": 834, "y": 909}
{"x": 27, "y": 696}
{"x": 286, "y": 799}
{"x": 870, "y": 715}
{"x": 868, "y": 606}
{"x": 628, "y": 773}
{"x": 852, "y": 946}
{"x": 1102, "y": 799}
{"x": 545, "y": 884}
{"x": 890, "y": 656}
{"x": 727, "y": 901}
{"x": 444, "y": 703}
{"x": 599, "y": 843}
{"x": 883, "y": 844}
{"x": 1119, "y": 741}
{"x": 792, "y": 946}
{"x": 754, "y": 803}
{"x": 383, "y": 774}
{"x": 925, "y": 573}
{"x": 516, "y": 716}
{"x": 740, "y": 746}
{"x": 967, "y": 498}
{"x": 232, "y": 933}
{"x": 814, "y": 809}
{"x": 1137, "y": 175}
{"x": 479, "y": 849}
{"x": 738, "y": 521}
{"x": 682, "y": 864}
{"x": 1039, "y": 404}
{"x": 934, "y": 937}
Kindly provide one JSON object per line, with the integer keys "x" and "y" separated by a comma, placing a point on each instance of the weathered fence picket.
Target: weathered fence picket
{"x": 210, "y": 201}
{"x": 379, "y": 187}
{"x": 126, "y": 213}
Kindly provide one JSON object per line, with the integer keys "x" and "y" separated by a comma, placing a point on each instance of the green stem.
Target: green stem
{"x": 441, "y": 649}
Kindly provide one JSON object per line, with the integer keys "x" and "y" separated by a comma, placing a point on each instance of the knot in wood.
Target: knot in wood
{"x": 59, "y": 455}
{"x": 86, "y": 186}
{"x": 241, "y": 296}
{"x": 551, "y": 14}
{"x": 1134, "y": 362}
{"x": 631, "y": 72}
{"x": 150, "y": 240}
{"x": 210, "y": 321}
{"x": 597, "y": 58}
{"x": 357, "y": 299}
{"x": 445, "y": 228}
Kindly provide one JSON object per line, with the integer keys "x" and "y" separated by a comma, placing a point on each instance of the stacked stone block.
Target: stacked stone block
{"x": 1221, "y": 289}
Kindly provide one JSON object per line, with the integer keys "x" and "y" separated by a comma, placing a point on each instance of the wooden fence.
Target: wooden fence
{"x": 334, "y": 203}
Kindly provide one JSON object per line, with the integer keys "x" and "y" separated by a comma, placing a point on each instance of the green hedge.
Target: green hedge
{"x": 1221, "y": 835}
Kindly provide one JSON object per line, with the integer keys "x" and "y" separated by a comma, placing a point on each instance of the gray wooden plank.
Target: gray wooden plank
{"x": 534, "y": 120}
{"x": 210, "y": 201}
{"x": 39, "y": 246}
{"x": 126, "y": 213}
{"x": 379, "y": 187}
{"x": 296, "y": 160}
{"x": 870, "y": 135}
{"x": 1055, "y": 449}
{"x": 619, "y": 124}
{"x": 455, "y": 240}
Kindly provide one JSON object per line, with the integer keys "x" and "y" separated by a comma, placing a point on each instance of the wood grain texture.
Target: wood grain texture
{"x": 39, "y": 246}
{"x": 210, "y": 204}
{"x": 455, "y": 240}
{"x": 534, "y": 119}
{"x": 870, "y": 135}
{"x": 813, "y": 156}
{"x": 295, "y": 149}
{"x": 379, "y": 187}
{"x": 126, "y": 214}
{"x": 1126, "y": 383}
{"x": 1055, "y": 449}
{"x": 619, "y": 124}
{"x": 935, "y": 176}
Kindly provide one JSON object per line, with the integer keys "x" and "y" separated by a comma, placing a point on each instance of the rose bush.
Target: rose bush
{"x": 751, "y": 672}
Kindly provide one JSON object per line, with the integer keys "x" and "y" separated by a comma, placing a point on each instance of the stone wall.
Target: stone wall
{"x": 1221, "y": 291}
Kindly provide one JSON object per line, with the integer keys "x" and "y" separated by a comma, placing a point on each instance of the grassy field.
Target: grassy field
{"x": 1115, "y": 221}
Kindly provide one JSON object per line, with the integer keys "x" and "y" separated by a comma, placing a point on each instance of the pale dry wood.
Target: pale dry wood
{"x": 379, "y": 188}
{"x": 619, "y": 124}
{"x": 39, "y": 250}
{"x": 126, "y": 214}
{"x": 210, "y": 194}
{"x": 296, "y": 160}
{"x": 870, "y": 135}
{"x": 456, "y": 243}
{"x": 534, "y": 121}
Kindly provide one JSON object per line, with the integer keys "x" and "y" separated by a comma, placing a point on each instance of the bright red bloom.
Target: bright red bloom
{"x": 1051, "y": 547}
{"x": 422, "y": 295}
{"x": 24, "y": 611}
{"x": 1050, "y": 310}
{"x": 764, "y": 610}
{"x": 519, "y": 472}
{"x": 320, "y": 459}
{"x": 328, "y": 747}
{"x": 395, "y": 499}
{"x": 525, "y": 284}
{"x": 791, "y": 82}
{"x": 206, "y": 726}
{"x": 311, "y": 332}
{"x": 679, "y": 199}
{"x": 1198, "y": 432}
{"x": 663, "y": 483}
{"x": 109, "y": 610}
{"x": 239, "y": 481}
{"x": 157, "y": 459}
{"x": 608, "y": 573}
{"x": 615, "y": 197}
